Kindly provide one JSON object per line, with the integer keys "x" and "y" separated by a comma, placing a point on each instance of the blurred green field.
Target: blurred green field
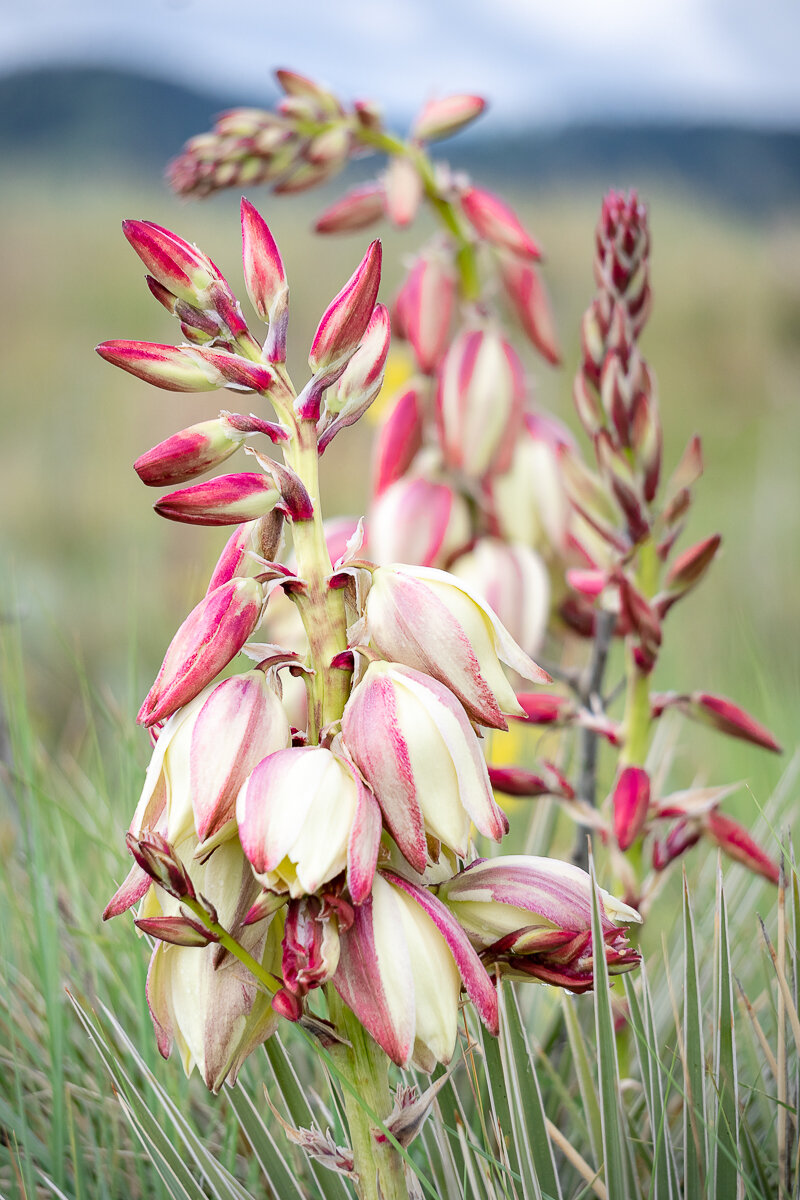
{"x": 90, "y": 576}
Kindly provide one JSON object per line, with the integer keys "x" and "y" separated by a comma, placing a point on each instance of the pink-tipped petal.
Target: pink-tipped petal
{"x": 477, "y": 983}
{"x": 398, "y": 441}
{"x": 240, "y": 723}
{"x": 425, "y": 304}
{"x": 345, "y": 321}
{"x": 169, "y": 367}
{"x": 357, "y": 209}
{"x": 212, "y": 634}
{"x": 531, "y": 304}
{"x": 264, "y": 274}
{"x": 129, "y": 892}
{"x": 495, "y": 222}
{"x": 403, "y": 188}
{"x": 364, "y": 843}
{"x": 734, "y": 839}
{"x": 186, "y": 454}
{"x": 442, "y": 117}
{"x": 225, "y": 500}
{"x": 374, "y": 739}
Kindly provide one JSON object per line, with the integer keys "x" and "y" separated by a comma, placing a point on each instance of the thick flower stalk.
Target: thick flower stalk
{"x": 298, "y": 857}
{"x": 625, "y": 525}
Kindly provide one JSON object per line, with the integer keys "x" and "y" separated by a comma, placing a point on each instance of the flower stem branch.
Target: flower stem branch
{"x": 591, "y": 689}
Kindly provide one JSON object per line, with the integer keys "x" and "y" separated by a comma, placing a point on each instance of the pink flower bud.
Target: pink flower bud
{"x": 688, "y": 569}
{"x": 305, "y": 817}
{"x": 188, "y": 453}
{"x": 170, "y": 367}
{"x": 495, "y": 222}
{"x": 310, "y": 946}
{"x": 734, "y": 839}
{"x": 513, "y": 581}
{"x": 630, "y": 801}
{"x": 358, "y": 209}
{"x": 174, "y": 263}
{"x": 252, "y": 541}
{"x": 361, "y": 381}
{"x": 544, "y": 708}
{"x": 264, "y": 274}
{"x": 531, "y": 305}
{"x": 479, "y": 403}
{"x": 398, "y": 440}
{"x": 295, "y": 84}
{"x": 440, "y": 118}
{"x": 413, "y": 743}
{"x": 330, "y": 148}
{"x": 225, "y": 500}
{"x": 729, "y": 718}
{"x": 415, "y": 520}
{"x": 682, "y": 837}
{"x": 431, "y": 621}
{"x": 212, "y": 634}
{"x": 403, "y": 191}
{"x": 425, "y": 307}
{"x": 345, "y": 321}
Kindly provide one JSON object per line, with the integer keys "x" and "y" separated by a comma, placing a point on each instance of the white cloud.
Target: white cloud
{"x": 537, "y": 60}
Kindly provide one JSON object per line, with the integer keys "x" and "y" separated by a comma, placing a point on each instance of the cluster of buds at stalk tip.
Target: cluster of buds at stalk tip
{"x": 623, "y": 529}
{"x": 461, "y": 457}
{"x": 309, "y": 850}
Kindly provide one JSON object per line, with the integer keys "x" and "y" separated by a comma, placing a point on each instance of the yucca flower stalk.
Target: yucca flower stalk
{"x": 322, "y": 853}
{"x": 625, "y": 526}
{"x": 469, "y": 476}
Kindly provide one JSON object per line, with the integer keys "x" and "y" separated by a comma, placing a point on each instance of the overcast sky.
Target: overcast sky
{"x": 537, "y": 60}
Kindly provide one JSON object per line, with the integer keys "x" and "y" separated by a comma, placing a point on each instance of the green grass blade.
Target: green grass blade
{"x": 583, "y": 1070}
{"x": 656, "y": 1083}
{"x": 726, "y": 1157}
{"x": 331, "y": 1186}
{"x": 278, "y": 1177}
{"x": 534, "y": 1148}
{"x": 615, "y": 1153}
{"x": 694, "y": 1110}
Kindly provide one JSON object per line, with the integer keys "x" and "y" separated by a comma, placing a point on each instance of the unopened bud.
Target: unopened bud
{"x": 347, "y": 317}
{"x": 495, "y": 222}
{"x": 630, "y": 802}
{"x": 212, "y": 634}
{"x": 177, "y": 265}
{"x": 440, "y": 118}
{"x": 398, "y": 440}
{"x": 158, "y": 859}
{"x": 264, "y": 274}
{"x": 188, "y": 453}
{"x": 357, "y": 209}
{"x": 403, "y": 190}
{"x": 415, "y": 520}
{"x": 170, "y": 367}
{"x": 225, "y": 500}
{"x": 531, "y": 305}
{"x": 362, "y": 379}
{"x": 424, "y": 308}
{"x": 734, "y": 839}
{"x": 479, "y": 402}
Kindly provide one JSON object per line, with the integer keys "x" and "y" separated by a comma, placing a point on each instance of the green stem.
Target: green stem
{"x": 321, "y": 607}
{"x": 379, "y": 1167}
{"x": 637, "y": 719}
{"x": 445, "y": 210}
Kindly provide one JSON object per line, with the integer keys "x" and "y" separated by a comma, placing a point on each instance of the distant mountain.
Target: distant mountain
{"x": 84, "y": 114}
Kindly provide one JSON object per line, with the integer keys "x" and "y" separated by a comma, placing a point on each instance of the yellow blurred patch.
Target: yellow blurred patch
{"x": 506, "y": 748}
{"x": 399, "y": 369}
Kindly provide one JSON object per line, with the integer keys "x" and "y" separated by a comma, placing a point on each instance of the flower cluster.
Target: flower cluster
{"x": 467, "y": 471}
{"x": 329, "y": 843}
